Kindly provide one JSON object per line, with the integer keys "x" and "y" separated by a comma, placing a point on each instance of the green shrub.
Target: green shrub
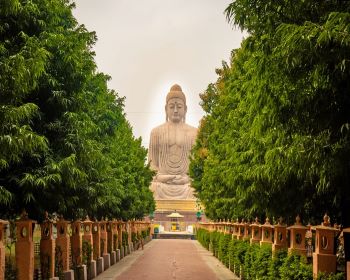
{"x": 203, "y": 237}
{"x": 338, "y": 276}
{"x": 87, "y": 255}
{"x": 276, "y": 262}
{"x": 249, "y": 261}
{"x": 295, "y": 267}
{"x": 214, "y": 241}
{"x": 240, "y": 250}
{"x": 125, "y": 240}
{"x": 252, "y": 261}
{"x": 134, "y": 237}
{"x": 115, "y": 241}
{"x": 262, "y": 261}
{"x": 230, "y": 254}
{"x": 10, "y": 269}
{"x": 224, "y": 240}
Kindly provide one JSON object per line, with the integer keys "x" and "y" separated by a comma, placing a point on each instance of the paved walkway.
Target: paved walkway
{"x": 169, "y": 259}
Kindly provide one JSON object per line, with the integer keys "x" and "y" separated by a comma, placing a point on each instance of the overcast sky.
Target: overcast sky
{"x": 148, "y": 45}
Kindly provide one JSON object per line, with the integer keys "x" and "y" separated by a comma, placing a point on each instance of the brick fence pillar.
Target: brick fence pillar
{"x": 62, "y": 244}
{"x": 266, "y": 232}
{"x": 47, "y": 249}
{"x": 3, "y": 225}
{"x": 96, "y": 240}
{"x": 256, "y": 232}
{"x": 87, "y": 233}
{"x": 76, "y": 243}
{"x": 103, "y": 237}
{"x": 297, "y": 238}
{"x": 246, "y": 231}
{"x": 324, "y": 259}
{"x": 280, "y": 237}
{"x": 25, "y": 248}
{"x": 110, "y": 247}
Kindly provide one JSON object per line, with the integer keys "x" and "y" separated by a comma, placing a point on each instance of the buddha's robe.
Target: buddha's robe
{"x": 169, "y": 151}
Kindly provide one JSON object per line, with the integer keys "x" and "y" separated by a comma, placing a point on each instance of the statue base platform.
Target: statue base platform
{"x": 187, "y": 208}
{"x": 178, "y": 205}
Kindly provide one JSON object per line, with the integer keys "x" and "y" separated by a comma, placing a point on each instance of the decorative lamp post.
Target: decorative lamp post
{"x": 266, "y": 232}
{"x": 241, "y": 230}
{"x": 235, "y": 229}
{"x": 324, "y": 259}
{"x": 247, "y": 233}
{"x": 256, "y": 232}
{"x": 297, "y": 238}
{"x": 280, "y": 236}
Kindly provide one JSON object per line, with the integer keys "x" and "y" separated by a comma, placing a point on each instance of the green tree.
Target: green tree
{"x": 276, "y": 134}
{"x": 66, "y": 146}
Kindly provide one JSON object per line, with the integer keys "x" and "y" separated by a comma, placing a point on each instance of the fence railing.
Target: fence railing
{"x": 321, "y": 244}
{"x": 60, "y": 249}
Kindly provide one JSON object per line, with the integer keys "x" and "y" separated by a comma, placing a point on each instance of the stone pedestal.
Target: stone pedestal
{"x": 125, "y": 249}
{"x": 179, "y": 205}
{"x": 47, "y": 250}
{"x": 25, "y": 248}
{"x": 92, "y": 270}
{"x": 99, "y": 265}
{"x": 82, "y": 272}
{"x": 106, "y": 261}
{"x": 3, "y": 225}
{"x": 122, "y": 253}
{"x": 113, "y": 257}
{"x": 118, "y": 257}
{"x": 68, "y": 275}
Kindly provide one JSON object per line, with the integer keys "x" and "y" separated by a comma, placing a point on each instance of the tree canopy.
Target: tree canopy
{"x": 66, "y": 146}
{"x": 275, "y": 137}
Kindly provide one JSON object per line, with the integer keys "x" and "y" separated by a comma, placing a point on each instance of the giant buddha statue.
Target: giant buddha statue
{"x": 169, "y": 150}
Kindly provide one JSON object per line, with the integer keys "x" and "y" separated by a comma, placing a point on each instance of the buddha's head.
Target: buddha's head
{"x": 175, "y": 107}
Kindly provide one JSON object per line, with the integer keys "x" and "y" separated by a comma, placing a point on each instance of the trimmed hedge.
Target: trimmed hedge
{"x": 256, "y": 262}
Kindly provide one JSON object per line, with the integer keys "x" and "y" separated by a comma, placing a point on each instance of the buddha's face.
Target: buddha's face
{"x": 175, "y": 110}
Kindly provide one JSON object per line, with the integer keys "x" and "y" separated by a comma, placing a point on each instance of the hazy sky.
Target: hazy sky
{"x": 148, "y": 45}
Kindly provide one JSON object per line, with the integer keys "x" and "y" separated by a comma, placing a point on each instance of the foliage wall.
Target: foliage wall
{"x": 275, "y": 137}
{"x": 252, "y": 261}
{"x": 66, "y": 146}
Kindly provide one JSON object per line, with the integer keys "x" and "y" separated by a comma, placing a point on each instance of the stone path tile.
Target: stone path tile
{"x": 169, "y": 259}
